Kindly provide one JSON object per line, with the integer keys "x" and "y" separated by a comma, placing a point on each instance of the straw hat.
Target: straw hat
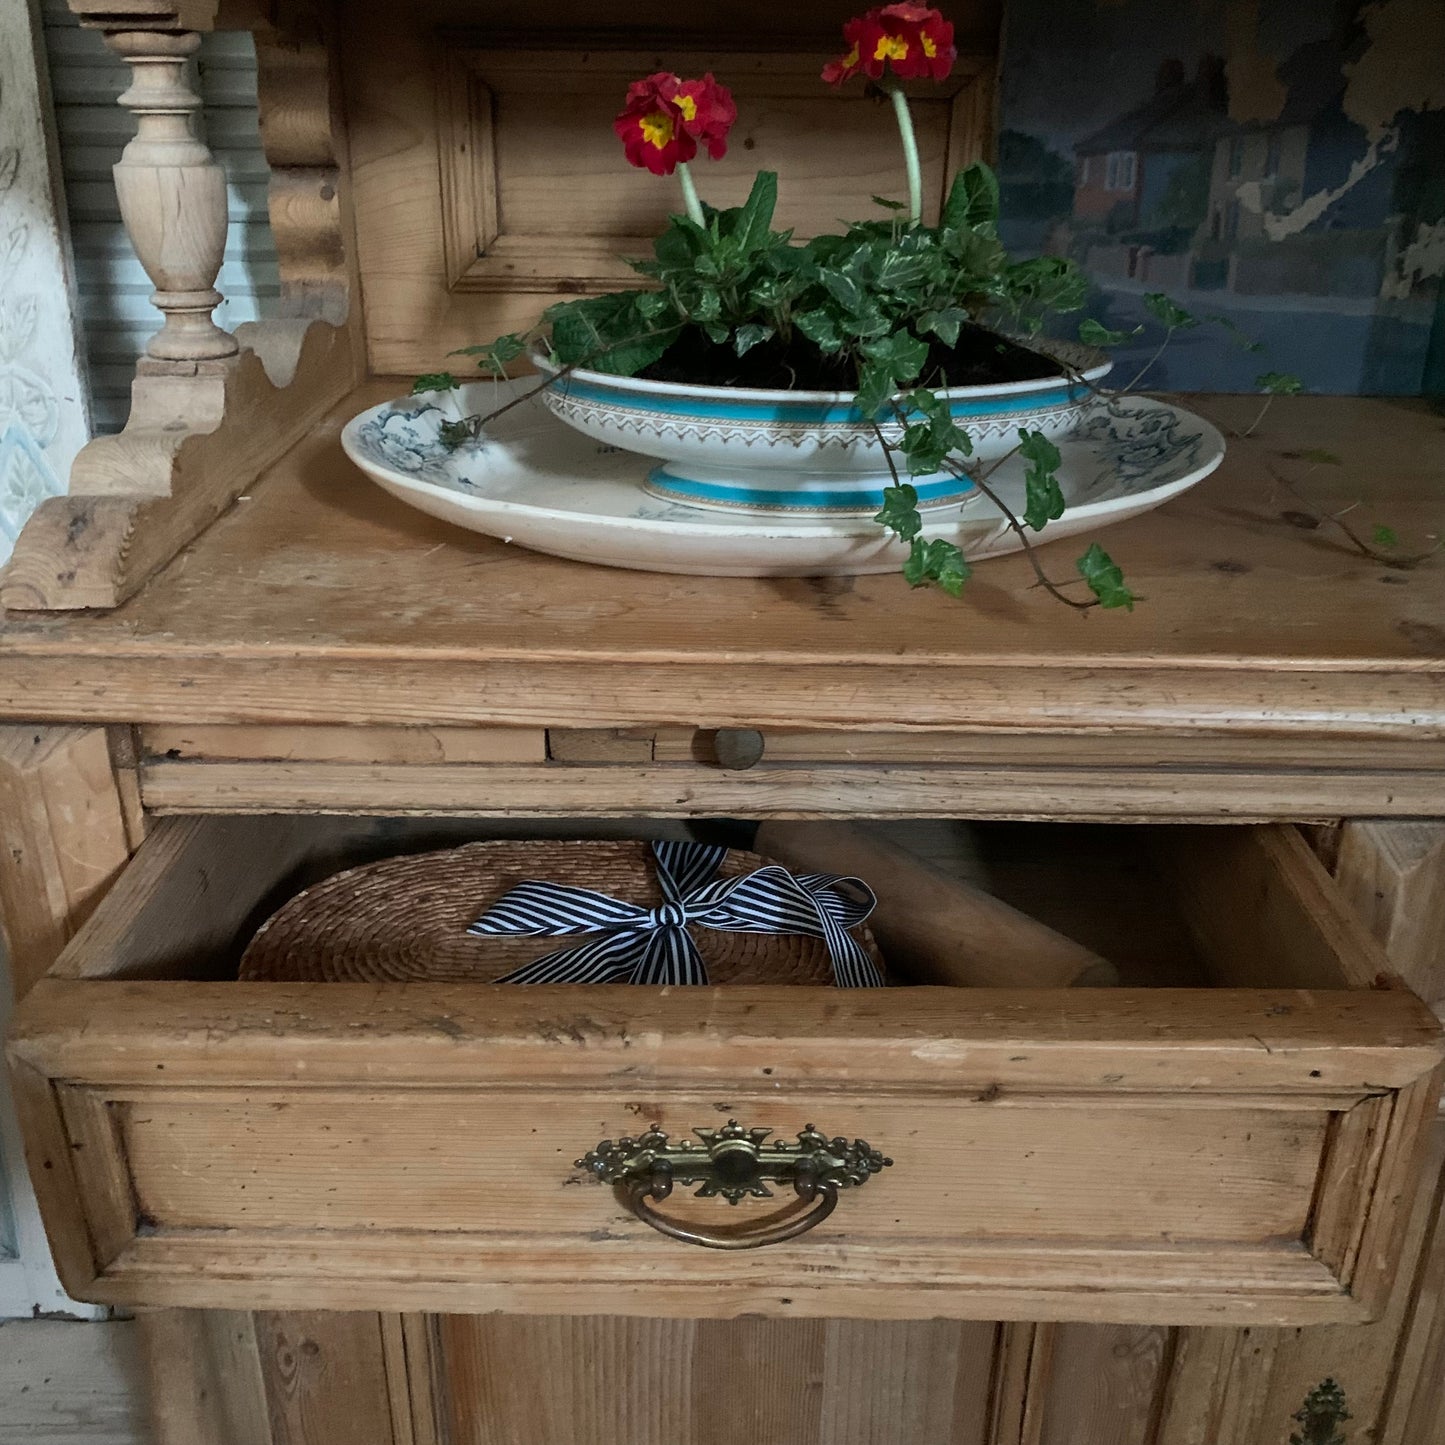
{"x": 405, "y": 919}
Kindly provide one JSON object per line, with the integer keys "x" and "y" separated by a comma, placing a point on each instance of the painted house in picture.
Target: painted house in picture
{"x": 1276, "y": 164}
{"x": 1137, "y": 178}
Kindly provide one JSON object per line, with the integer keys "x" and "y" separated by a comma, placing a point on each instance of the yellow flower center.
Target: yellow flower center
{"x": 891, "y": 47}
{"x": 929, "y": 48}
{"x": 657, "y": 128}
{"x": 688, "y": 106}
{"x": 851, "y": 59}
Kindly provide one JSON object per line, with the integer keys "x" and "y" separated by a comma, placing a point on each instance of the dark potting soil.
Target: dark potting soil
{"x": 981, "y": 357}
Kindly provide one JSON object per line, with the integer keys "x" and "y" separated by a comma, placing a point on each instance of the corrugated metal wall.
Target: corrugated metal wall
{"x": 115, "y": 312}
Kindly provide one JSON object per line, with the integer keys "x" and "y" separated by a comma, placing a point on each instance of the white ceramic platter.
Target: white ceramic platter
{"x": 536, "y": 482}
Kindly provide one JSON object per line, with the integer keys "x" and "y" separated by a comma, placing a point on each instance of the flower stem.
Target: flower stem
{"x": 689, "y": 194}
{"x": 910, "y": 154}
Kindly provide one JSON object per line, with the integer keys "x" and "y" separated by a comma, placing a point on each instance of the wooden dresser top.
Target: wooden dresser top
{"x": 320, "y": 599}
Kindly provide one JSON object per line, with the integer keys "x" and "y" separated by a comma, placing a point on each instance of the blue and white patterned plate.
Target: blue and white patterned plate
{"x": 536, "y": 482}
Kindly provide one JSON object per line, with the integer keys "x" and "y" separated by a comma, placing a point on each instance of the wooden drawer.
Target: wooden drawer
{"x": 1237, "y": 1153}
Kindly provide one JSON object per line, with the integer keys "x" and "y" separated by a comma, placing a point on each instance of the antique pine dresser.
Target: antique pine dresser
{"x": 343, "y": 1212}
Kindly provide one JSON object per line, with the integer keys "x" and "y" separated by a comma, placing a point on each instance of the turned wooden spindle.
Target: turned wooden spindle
{"x": 172, "y": 196}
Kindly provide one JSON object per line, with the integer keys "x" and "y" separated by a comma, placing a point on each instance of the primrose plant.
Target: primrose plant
{"x": 884, "y": 308}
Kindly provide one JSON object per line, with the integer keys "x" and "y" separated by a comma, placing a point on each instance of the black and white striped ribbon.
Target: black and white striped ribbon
{"x": 652, "y": 945}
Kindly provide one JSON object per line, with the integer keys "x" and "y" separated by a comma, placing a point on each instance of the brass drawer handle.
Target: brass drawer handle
{"x": 734, "y": 1162}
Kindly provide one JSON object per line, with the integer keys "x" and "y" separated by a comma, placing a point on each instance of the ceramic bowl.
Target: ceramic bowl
{"x": 804, "y": 452}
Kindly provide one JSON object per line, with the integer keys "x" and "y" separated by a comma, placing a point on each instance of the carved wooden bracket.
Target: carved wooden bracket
{"x": 209, "y": 411}
{"x": 172, "y": 196}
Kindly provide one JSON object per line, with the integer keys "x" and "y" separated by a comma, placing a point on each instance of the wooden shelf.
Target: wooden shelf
{"x": 318, "y": 598}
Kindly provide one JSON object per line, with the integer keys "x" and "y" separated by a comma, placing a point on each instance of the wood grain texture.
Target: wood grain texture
{"x": 64, "y": 836}
{"x": 172, "y": 196}
{"x": 529, "y": 209}
{"x": 606, "y": 1381}
{"x": 206, "y": 1377}
{"x": 935, "y": 928}
{"x": 326, "y": 1378}
{"x": 679, "y": 790}
{"x": 193, "y": 446}
{"x": 1240, "y": 1387}
{"x": 272, "y": 617}
{"x": 1393, "y": 876}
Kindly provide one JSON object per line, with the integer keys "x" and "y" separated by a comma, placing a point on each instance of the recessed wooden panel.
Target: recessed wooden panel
{"x": 538, "y": 197}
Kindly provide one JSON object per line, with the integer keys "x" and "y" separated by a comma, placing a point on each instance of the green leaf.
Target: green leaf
{"x": 680, "y": 244}
{"x": 452, "y": 434}
{"x": 820, "y": 328}
{"x": 938, "y": 562}
{"x": 875, "y": 387}
{"x": 945, "y": 323}
{"x": 972, "y": 199}
{"x": 1386, "y": 537}
{"x": 1094, "y": 333}
{"x": 750, "y": 335}
{"x": 889, "y": 205}
{"x": 1168, "y": 313}
{"x": 608, "y": 333}
{"x": 495, "y": 357}
{"x": 1105, "y": 579}
{"x": 434, "y": 381}
{"x": 1043, "y": 496}
{"x": 1279, "y": 383}
{"x": 844, "y": 287}
{"x": 900, "y": 512}
{"x": 750, "y": 226}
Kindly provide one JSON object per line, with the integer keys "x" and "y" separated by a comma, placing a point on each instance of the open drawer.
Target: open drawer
{"x": 1236, "y": 1153}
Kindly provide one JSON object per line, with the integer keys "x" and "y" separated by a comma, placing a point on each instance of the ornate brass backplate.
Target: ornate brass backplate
{"x": 734, "y": 1163}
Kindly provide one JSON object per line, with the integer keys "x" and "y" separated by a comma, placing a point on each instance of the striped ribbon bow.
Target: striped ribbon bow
{"x": 652, "y": 945}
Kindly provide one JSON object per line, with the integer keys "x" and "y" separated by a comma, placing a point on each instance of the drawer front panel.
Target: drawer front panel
{"x": 1236, "y": 1154}
{"x": 1128, "y": 1157}
{"x": 1030, "y": 1169}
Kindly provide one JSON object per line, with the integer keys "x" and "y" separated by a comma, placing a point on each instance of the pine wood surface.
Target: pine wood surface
{"x": 273, "y": 1145}
{"x": 322, "y": 600}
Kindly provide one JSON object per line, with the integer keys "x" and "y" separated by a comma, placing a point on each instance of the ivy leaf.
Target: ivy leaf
{"x": 972, "y": 198}
{"x": 434, "y": 381}
{"x": 750, "y": 335}
{"x": 944, "y": 323}
{"x": 844, "y": 287}
{"x": 1043, "y": 495}
{"x": 1094, "y": 333}
{"x": 938, "y": 562}
{"x": 452, "y": 434}
{"x": 820, "y": 328}
{"x": 900, "y": 512}
{"x": 1168, "y": 313}
{"x": 608, "y": 333}
{"x": 1279, "y": 383}
{"x": 1105, "y": 579}
{"x": 495, "y": 357}
{"x": 1386, "y": 537}
{"x": 875, "y": 387}
{"x": 889, "y": 205}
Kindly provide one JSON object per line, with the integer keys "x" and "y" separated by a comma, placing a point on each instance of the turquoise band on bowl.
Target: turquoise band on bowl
{"x": 863, "y": 494}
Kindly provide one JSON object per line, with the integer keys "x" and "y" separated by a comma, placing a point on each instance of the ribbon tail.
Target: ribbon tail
{"x": 610, "y": 959}
{"x": 852, "y": 968}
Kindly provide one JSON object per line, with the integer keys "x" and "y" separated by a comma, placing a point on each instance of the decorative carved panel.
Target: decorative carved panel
{"x": 536, "y": 195}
